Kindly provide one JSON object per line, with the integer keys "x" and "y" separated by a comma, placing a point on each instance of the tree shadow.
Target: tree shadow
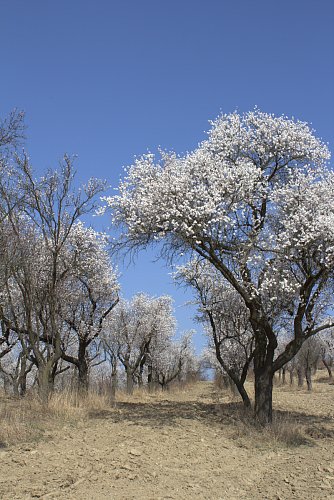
{"x": 221, "y": 415}
{"x": 162, "y": 413}
{"x": 324, "y": 380}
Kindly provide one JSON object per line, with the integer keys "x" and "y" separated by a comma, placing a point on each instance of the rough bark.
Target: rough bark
{"x": 265, "y": 345}
{"x": 83, "y": 367}
{"x": 83, "y": 376}
{"x": 263, "y": 395}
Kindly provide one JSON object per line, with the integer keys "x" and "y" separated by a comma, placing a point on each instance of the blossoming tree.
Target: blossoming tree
{"x": 133, "y": 327}
{"x": 256, "y": 200}
{"x": 172, "y": 359}
{"x": 90, "y": 293}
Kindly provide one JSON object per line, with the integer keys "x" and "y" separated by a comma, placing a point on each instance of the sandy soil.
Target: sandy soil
{"x": 182, "y": 445}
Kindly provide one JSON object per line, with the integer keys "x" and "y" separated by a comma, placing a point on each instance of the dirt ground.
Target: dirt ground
{"x": 182, "y": 445}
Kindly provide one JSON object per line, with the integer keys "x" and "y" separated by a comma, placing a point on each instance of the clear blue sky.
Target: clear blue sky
{"x": 109, "y": 79}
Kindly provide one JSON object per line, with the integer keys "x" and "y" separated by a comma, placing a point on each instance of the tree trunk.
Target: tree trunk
{"x": 150, "y": 381}
{"x": 283, "y": 375}
{"x": 16, "y": 389}
{"x": 113, "y": 379}
{"x": 308, "y": 375}
{"x": 54, "y": 373}
{"x": 129, "y": 380}
{"x": 264, "y": 373}
{"x": 83, "y": 378}
{"x": 328, "y": 368}
{"x": 45, "y": 383}
{"x": 23, "y": 377}
{"x": 83, "y": 368}
{"x": 291, "y": 377}
{"x": 162, "y": 383}
{"x": 237, "y": 380}
{"x": 141, "y": 370}
{"x": 6, "y": 384}
{"x": 263, "y": 395}
{"x": 243, "y": 393}
{"x": 300, "y": 377}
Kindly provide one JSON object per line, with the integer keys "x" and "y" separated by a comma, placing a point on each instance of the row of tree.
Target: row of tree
{"x": 60, "y": 306}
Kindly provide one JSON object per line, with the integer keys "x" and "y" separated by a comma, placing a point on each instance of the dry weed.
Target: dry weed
{"x": 27, "y": 419}
{"x": 284, "y": 430}
{"x": 20, "y": 420}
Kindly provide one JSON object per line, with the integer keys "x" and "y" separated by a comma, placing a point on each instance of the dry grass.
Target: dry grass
{"x": 27, "y": 419}
{"x": 70, "y": 406}
{"x": 23, "y": 420}
{"x": 288, "y": 429}
{"x": 283, "y": 432}
{"x": 20, "y": 420}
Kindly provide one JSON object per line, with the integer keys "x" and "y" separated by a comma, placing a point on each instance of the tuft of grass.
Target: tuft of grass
{"x": 20, "y": 421}
{"x": 284, "y": 431}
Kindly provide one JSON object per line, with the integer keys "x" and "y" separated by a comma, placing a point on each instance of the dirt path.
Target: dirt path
{"x": 185, "y": 446}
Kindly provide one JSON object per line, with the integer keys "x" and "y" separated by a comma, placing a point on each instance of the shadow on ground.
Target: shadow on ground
{"x": 220, "y": 415}
{"x": 162, "y": 413}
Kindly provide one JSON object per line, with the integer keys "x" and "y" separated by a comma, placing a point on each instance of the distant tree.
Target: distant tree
{"x": 132, "y": 328}
{"x": 226, "y": 320}
{"x": 327, "y": 352}
{"x": 307, "y": 358}
{"x": 15, "y": 368}
{"x": 109, "y": 346}
{"x": 172, "y": 359}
